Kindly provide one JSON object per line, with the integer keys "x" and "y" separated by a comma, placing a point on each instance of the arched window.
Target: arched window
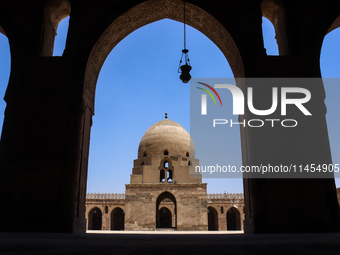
{"x": 222, "y": 209}
{"x": 166, "y": 152}
{"x": 269, "y": 40}
{"x": 144, "y": 154}
{"x": 61, "y": 36}
{"x": 54, "y": 12}
{"x": 187, "y": 154}
{"x": 106, "y": 209}
{"x": 162, "y": 176}
{"x": 166, "y": 170}
{"x": 169, "y": 176}
{"x": 274, "y": 29}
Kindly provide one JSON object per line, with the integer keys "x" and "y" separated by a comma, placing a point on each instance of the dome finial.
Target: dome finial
{"x": 166, "y": 115}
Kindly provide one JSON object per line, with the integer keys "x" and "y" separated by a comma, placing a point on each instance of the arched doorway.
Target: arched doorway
{"x": 212, "y": 219}
{"x": 164, "y": 217}
{"x": 117, "y": 219}
{"x": 233, "y": 219}
{"x": 95, "y": 219}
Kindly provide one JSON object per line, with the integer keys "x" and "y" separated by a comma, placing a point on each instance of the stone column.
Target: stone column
{"x": 44, "y": 149}
{"x": 222, "y": 220}
{"x": 288, "y": 204}
{"x": 106, "y": 223}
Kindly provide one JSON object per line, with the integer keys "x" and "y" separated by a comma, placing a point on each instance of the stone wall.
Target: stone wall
{"x": 191, "y": 205}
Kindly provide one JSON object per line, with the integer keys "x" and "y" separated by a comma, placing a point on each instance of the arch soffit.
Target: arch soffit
{"x": 94, "y": 207}
{"x": 234, "y": 209}
{"x": 146, "y": 13}
{"x": 335, "y": 25}
{"x": 273, "y": 10}
{"x": 56, "y": 11}
{"x": 166, "y": 194}
{"x": 2, "y": 31}
{"x": 165, "y": 207}
{"x": 215, "y": 209}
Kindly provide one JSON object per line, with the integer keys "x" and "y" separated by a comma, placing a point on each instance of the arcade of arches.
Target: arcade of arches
{"x": 225, "y": 212}
{"x": 50, "y": 103}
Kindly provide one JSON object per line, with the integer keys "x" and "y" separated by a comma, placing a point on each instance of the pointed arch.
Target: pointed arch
{"x": 212, "y": 218}
{"x": 275, "y": 12}
{"x": 165, "y": 218}
{"x": 54, "y": 12}
{"x": 159, "y": 220}
{"x": 117, "y": 219}
{"x": 148, "y": 12}
{"x": 95, "y": 219}
{"x": 233, "y": 219}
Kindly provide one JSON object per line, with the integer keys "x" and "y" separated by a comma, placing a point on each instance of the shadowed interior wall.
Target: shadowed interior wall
{"x": 50, "y": 103}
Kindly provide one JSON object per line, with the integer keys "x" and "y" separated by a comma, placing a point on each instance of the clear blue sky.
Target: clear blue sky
{"x": 139, "y": 83}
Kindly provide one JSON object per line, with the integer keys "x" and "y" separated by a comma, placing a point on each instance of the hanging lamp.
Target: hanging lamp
{"x": 186, "y": 68}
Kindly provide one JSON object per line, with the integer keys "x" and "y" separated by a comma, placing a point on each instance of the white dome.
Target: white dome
{"x": 166, "y": 135}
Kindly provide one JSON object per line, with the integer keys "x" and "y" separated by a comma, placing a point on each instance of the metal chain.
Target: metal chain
{"x": 185, "y": 39}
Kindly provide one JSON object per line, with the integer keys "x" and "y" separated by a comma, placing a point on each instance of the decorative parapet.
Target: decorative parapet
{"x": 105, "y": 196}
{"x": 230, "y": 198}
{"x": 226, "y": 196}
{"x": 122, "y": 196}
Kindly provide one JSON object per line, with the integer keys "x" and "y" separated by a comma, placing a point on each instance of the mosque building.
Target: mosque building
{"x": 165, "y": 192}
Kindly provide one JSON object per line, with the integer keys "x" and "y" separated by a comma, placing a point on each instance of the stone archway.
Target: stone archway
{"x": 212, "y": 218}
{"x": 138, "y": 16}
{"x": 233, "y": 219}
{"x": 163, "y": 214}
{"x": 165, "y": 218}
{"x": 117, "y": 219}
{"x": 148, "y": 12}
{"x": 95, "y": 219}
{"x": 54, "y": 12}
